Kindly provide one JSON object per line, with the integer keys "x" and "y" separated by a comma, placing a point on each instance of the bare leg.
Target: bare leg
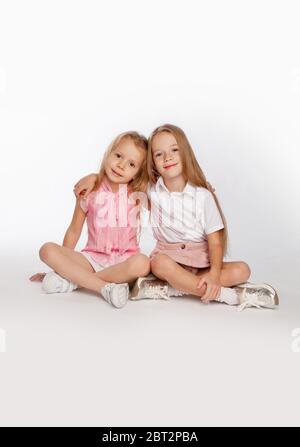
{"x": 128, "y": 271}
{"x": 232, "y": 273}
{"x": 76, "y": 268}
{"x": 178, "y": 277}
{"x": 71, "y": 265}
{"x": 73, "y": 255}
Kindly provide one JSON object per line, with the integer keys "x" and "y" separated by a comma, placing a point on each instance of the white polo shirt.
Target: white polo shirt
{"x": 187, "y": 216}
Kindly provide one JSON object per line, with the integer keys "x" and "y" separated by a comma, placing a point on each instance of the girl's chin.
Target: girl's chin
{"x": 171, "y": 174}
{"x": 113, "y": 177}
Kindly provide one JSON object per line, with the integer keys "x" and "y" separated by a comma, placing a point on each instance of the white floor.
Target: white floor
{"x": 71, "y": 359}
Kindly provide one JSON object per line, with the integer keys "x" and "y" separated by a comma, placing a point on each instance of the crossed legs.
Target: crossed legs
{"x": 166, "y": 268}
{"x": 75, "y": 267}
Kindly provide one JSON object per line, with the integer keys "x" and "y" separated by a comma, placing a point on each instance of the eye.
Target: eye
{"x": 118, "y": 155}
{"x": 158, "y": 154}
{"x": 175, "y": 149}
{"x": 132, "y": 165}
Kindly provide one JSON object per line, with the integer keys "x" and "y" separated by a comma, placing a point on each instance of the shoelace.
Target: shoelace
{"x": 251, "y": 300}
{"x": 175, "y": 292}
{"x": 158, "y": 292}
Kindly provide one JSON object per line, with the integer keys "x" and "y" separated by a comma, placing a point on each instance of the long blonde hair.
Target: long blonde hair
{"x": 191, "y": 169}
{"x": 139, "y": 183}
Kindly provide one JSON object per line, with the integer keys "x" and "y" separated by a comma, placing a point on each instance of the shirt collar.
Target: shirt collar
{"x": 160, "y": 184}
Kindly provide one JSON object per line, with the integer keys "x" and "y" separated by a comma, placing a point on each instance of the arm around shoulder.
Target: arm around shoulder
{"x": 85, "y": 185}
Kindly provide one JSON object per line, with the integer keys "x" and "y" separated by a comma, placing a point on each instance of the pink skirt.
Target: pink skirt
{"x": 193, "y": 254}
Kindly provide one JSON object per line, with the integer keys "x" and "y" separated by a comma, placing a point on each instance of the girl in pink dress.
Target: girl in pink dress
{"x": 111, "y": 258}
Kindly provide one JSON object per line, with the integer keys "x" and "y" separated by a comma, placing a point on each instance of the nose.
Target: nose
{"x": 168, "y": 156}
{"x": 121, "y": 164}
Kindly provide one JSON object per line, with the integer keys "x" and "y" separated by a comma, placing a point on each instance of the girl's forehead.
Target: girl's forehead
{"x": 164, "y": 140}
{"x": 126, "y": 145}
{"x": 130, "y": 149}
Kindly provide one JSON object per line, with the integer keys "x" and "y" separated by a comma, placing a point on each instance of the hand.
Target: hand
{"x": 37, "y": 277}
{"x": 85, "y": 186}
{"x": 213, "y": 286}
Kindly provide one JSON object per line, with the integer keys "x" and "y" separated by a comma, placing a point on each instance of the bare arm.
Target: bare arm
{"x": 212, "y": 278}
{"x": 72, "y": 234}
{"x": 74, "y": 231}
{"x": 215, "y": 250}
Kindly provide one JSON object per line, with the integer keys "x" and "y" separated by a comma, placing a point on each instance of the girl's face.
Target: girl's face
{"x": 166, "y": 155}
{"x": 124, "y": 162}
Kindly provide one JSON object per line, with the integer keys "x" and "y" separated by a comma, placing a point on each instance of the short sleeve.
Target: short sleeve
{"x": 212, "y": 217}
{"x": 84, "y": 204}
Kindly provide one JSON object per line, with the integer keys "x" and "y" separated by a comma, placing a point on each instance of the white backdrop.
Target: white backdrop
{"x": 73, "y": 74}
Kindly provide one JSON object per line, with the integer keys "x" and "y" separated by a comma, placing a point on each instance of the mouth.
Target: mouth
{"x": 115, "y": 173}
{"x": 170, "y": 166}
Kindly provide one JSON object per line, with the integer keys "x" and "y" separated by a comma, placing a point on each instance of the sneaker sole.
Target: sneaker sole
{"x": 276, "y": 297}
{"x": 266, "y": 286}
{"x": 118, "y": 302}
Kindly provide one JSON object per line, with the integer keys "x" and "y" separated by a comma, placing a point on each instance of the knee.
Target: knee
{"x": 162, "y": 265}
{"x": 243, "y": 271}
{"x": 47, "y": 250}
{"x": 139, "y": 265}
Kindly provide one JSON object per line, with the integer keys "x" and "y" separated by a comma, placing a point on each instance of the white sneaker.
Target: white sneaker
{"x": 256, "y": 295}
{"x": 54, "y": 283}
{"x": 116, "y": 294}
{"x": 176, "y": 292}
{"x": 150, "y": 287}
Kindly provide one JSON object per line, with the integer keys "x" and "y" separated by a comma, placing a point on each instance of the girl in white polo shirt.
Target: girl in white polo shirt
{"x": 190, "y": 228}
{"x": 190, "y": 231}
